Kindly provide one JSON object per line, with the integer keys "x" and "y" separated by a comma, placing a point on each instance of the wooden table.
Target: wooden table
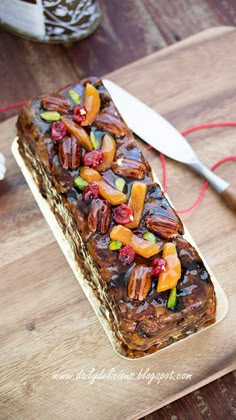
{"x": 130, "y": 30}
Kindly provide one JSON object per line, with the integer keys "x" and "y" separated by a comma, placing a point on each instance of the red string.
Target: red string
{"x": 218, "y": 163}
{"x": 162, "y": 157}
{"x": 205, "y": 184}
{"x": 209, "y": 125}
{"x": 13, "y": 106}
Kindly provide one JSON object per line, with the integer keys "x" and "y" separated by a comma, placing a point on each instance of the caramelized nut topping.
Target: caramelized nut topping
{"x": 55, "y": 102}
{"x": 70, "y": 153}
{"x": 129, "y": 168}
{"x": 99, "y": 218}
{"x": 109, "y": 120}
{"x": 139, "y": 282}
{"x": 162, "y": 226}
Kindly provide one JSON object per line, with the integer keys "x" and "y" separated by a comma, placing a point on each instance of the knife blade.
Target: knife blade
{"x": 150, "y": 126}
{"x": 162, "y": 136}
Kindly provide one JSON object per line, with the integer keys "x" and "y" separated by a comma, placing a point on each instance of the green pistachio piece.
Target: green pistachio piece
{"x": 120, "y": 184}
{"x": 80, "y": 183}
{"x": 76, "y": 98}
{"x": 50, "y": 115}
{"x": 149, "y": 236}
{"x": 171, "y": 303}
{"x": 115, "y": 245}
{"x": 94, "y": 140}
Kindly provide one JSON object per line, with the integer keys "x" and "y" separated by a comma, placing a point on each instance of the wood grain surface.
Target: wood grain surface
{"x": 47, "y": 326}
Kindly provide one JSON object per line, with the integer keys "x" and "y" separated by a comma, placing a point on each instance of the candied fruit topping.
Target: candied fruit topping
{"x": 142, "y": 247}
{"x": 127, "y": 255}
{"x": 149, "y": 236}
{"x": 78, "y": 132}
{"x": 136, "y": 202}
{"x": 50, "y": 116}
{"x": 93, "y": 158}
{"x": 171, "y": 303}
{"x": 105, "y": 190}
{"x": 94, "y": 140}
{"x": 169, "y": 278}
{"x": 109, "y": 149}
{"x": 123, "y": 214}
{"x": 58, "y": 130}
{"x": 90, "y": 192}
{"x": 80, "y": 113}
{"x": 92, "y": 104}
{"x": 120, "y": 184}
{"x": 80, "y": 183}
{"x": 74, "y": 96}
{"x": 158, "y": 266}
{"x": 115, "y": 245}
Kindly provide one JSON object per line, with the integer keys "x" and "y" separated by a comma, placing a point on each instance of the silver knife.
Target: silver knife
{"x": 162, "y": 136}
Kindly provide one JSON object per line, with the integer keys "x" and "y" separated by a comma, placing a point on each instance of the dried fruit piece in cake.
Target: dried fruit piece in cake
{"x": 58, "y": 130}
{"x": 136, "y": 202}
{"x": 93, "y": 159}
{"x": 123, "y": 214}
{"x": 144, "y": 248}
{"x": 127, "y": 255}
{"x": 109, "y": 149}
{"x": 172, "y": 273}
{"x": 105, "y": 190}
{"x": 92, "y": 104}
{"x": 78, "y": 132}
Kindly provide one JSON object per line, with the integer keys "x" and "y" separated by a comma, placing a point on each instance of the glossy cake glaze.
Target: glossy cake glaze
{"x": 127, "y": 239}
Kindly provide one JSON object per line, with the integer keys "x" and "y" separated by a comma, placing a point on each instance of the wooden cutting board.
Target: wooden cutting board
{"x": 51, "y": 339}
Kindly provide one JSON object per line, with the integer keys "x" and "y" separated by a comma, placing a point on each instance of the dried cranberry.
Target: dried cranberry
{"x": 158, "y": 266}
{"x": 90, "y": 192}
{"x": 58, "y": 130}
{"x": 126, "y": 255}
{"x": 79, "y": 113}
{"x": 93, "y": 158}
{"x": 123, "y": 214}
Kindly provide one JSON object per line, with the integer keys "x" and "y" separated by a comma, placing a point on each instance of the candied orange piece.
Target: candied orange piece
{"x": 78, "y": 132}
{"x": 112, "y": 195}
{"x": 124, "y": 234}
{"x": 136, "y": 202}
{"x": 142, "y": 247}
{"x": 169, "y": 278}
{"x": 92, "y": 104}
{"x": 109, "y": 149}
{"x": 90, "y": 175}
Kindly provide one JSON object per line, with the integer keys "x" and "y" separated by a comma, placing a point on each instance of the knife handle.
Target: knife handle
{"x": 226, "y": 191}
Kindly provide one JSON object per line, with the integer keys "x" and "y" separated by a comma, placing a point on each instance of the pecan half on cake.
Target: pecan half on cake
{"x": 126, "y": 237}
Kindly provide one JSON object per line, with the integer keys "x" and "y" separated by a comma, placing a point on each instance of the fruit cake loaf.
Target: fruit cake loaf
{"x": 127, "y": 239}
